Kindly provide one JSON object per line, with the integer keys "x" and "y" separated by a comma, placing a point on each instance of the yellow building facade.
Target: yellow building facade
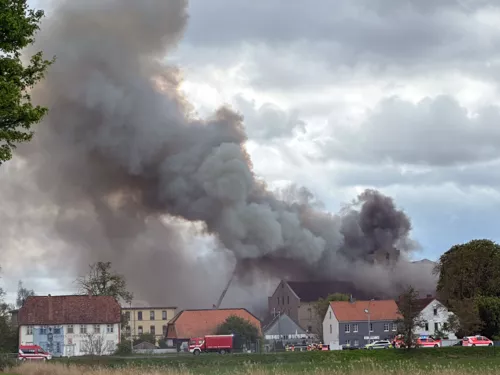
{"x": 151, "y": 320}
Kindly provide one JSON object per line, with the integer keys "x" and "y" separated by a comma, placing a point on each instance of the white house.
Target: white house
{"x": 71, "y": 325}
{"x": 435, "y": 316}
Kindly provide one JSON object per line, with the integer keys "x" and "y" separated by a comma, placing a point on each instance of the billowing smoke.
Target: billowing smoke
{"x": 121, "y": 162}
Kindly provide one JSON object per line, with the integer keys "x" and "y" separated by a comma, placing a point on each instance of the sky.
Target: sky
{"x": 397, "y": 95}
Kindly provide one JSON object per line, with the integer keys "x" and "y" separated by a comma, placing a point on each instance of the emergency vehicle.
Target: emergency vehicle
{"x": 33, "y": 352}
{"x": 476, "y": 341}
{"x": 428, "y": 342}
{"x": 211, "y": 343}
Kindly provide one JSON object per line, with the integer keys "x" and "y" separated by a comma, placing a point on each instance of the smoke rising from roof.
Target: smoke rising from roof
{"x": 121, "y": 150}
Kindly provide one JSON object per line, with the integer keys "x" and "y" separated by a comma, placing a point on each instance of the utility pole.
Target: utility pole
{"x": 131, "y": 335}
{"x": 367, "y": 312}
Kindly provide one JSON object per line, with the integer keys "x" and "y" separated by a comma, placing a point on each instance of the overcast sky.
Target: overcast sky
{"x": 338, "y": 96}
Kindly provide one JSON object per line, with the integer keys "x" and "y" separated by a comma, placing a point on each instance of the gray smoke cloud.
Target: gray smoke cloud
{"x": 121, "y": 162}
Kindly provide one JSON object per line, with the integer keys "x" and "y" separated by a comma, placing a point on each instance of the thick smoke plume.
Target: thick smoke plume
{"x": 120, "y": 150}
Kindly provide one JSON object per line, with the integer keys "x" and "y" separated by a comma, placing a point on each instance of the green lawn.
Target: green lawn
{"x": 293, "y": 362}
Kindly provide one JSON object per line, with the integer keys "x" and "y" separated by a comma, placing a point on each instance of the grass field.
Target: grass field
{"x": 454, "y": 361}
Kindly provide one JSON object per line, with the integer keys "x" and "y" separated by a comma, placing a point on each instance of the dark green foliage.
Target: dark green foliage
{"x": 408, "y": 305}
{"x": 123, "y": 348}
{"x": 18, "y": 24}
{"x": 489, "y": 313}
{"x": 244, "y": 331}
{"x": 469, "y": 270}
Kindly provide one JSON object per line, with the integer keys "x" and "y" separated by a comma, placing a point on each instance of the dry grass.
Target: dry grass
{"x": 364, "y": 368}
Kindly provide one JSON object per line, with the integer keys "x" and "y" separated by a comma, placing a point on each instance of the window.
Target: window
{"x": 371, "y": 327}
{"x": 127, "y": 315}
{"x": 347, "y": 328}
{"x": 435, "y": 311}
{"x": 330, "y": 315}
{"x": 152, "y": 330}
{"x": 29, "y": 330}
{"x": 97, "y": 328}
{"x": 83, "y": 329}
{"x": 70, "y": 328}
{"x": 356, "y": 342}
{"x": 386, "y": 327}
{"x": 164, "y": 315}
{"x": 330, "y": 328}
{"x": 58, "y": 347}
{"x": 139, "y": 315}
{"x": 348, "y": 342}
{"x": 355, "y": 328}
{"x": 165, "y": 328}
{"x": 151, "y": 315}
{"x": 139, "y": 330}
{"x": 57, "y": 330}
{"x": 436, "y": 326}
{"x": 110, "y": 328}
{"x": 43, "y": 330}
{"x": 426, "y": 326}
{"x": 394, "y": 327}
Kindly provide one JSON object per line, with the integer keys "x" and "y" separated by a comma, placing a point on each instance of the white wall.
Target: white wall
{"x": 440, "y": 318}
{"x": 75, "y": 343}
{"x": 330, "y": 336}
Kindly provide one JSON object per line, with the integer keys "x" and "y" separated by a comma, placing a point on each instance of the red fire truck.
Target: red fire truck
{"x": 211, "y": 343}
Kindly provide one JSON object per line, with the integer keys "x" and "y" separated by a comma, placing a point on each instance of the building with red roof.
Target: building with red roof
{"x": 189, "y": 324}
{"x": 358, "y": 323}
{"x": 70, "y": 325}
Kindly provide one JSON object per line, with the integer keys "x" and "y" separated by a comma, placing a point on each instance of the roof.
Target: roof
{"x": 271, "y": 321}
{"x": 149, "y": 308}
{"x": 197, "y": 323}
{"x": 82, "y": 309}
{"x": 355, "y": 311}
{"x": 311, "y": 291}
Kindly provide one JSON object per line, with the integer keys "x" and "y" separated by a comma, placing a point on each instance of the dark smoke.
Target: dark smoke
{"x": 121, "y": 154}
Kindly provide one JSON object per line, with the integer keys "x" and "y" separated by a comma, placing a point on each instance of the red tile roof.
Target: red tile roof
{"x": 52, "y": 310}
{"x": 355, "y": 311}
{"x": 197, "y": 323}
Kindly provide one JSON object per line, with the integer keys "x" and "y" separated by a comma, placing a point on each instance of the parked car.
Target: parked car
{"x": 380, "y": 344}
{"x": 33, "y": 352}
{"x": 428, "y": 342}
{"x": 476, "y": 341}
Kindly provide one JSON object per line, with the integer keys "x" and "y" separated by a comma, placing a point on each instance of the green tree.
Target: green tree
{"x": 102, "y": 281}
{"x": 243, "y": 330}
{"x": 18, "y": 24}
{"x": 466, "y": 320}
{"x": 409, "y": 309}
{"x": 22, "y": 294}
{"x": 488, "y": 309}
{"x": 469, "y": 270}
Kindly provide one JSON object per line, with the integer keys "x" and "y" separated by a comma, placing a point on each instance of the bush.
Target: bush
{"x": 123, "y": 348}
{"x": 7, "y": 362}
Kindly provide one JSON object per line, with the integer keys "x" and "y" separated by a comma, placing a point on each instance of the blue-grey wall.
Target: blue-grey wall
{"x": 285, "y": 327}
{"x": 378, "y": 330}
{"x": 50, "y": 338}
